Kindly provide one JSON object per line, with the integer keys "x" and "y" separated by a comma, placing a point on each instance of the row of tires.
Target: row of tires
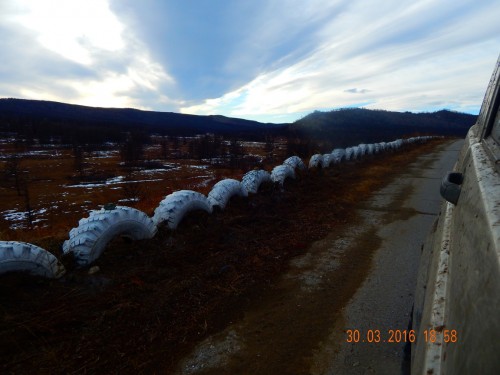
{"x": 88, "y": 240}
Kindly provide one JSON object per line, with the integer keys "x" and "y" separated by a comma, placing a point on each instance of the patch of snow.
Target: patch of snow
{"x": 114, "y": 180}
{"x": 252, "y": 144}
{"x": 19, "y": 218}
{"x": 204, "y": 183}
{"x": 128, "y": 200}
{"x": 103, "y": 154}
{"x": 198, "y": 166}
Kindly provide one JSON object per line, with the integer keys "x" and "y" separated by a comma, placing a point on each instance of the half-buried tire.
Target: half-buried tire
{"x": 223, "y": 191}
{"x": 89, "y": 239}
{"x": 281, "y": 172}
{"x": 176, "y": 205}
{"x": 26, "y": 257}
{"x": 295, "y": 162}
{"x": 253, "y": 179}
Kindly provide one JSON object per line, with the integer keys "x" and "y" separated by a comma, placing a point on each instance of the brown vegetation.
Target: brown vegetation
{"x": 63, "y": 184}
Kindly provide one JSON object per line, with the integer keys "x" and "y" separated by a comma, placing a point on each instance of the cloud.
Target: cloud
{"x": 357, "y": 91}
{"x": 77, "y": 52}
{"x": 266, "y": 60}
{"x": 405, "y": 55}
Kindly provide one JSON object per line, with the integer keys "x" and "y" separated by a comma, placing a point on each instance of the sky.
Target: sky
{"x": 266, "y": 60}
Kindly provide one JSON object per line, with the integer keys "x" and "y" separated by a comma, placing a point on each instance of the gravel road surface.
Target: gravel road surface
{"x": 359, "y": 278}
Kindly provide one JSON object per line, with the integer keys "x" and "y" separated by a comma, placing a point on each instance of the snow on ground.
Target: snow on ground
{"x": 114, "y": 180}
{"x": 19, "y": 219}
{"x": 128, "y": 200}
{"x": 104, "y": 154}
{"x": 204, "y": 183}
{"x": 197, "y": 166}
{"x": 120, "y": 180}
{"x": 158, "y": 170}
{"x": 20, "y": 155}
{"x": 252, "y": 144}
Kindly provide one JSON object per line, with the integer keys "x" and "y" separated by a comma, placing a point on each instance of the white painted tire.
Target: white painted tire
{"x": 349, "y": 153}
{"x": 294, "y": 162}
{"x": 327, "y": 160}
{"x": 370, "y": 149}
{"x": 26, "y": 257}
{"x": 89, "y": 239}
{"x": 363, "y": 149}
{"x": 339, "y": 155}
{"x": 356, "y": 153}
{"x": 316, "y": 161}
{"x": 253, "y": 179}
{"x": 398, "y": 143}
{"x": 223, "y": 190}
{"x": 175, "y": 206}
{"x": 281, "y": 172}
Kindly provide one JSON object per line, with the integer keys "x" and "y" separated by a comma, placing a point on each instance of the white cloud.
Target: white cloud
{"x": 405, "y": 56}
{"x": 73, "y": 28}
{"x": 292, "y": 56}
{"x": 84, "y": 33}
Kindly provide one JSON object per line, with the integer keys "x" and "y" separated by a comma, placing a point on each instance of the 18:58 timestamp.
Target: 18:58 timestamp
{"x": 399, "y": 335}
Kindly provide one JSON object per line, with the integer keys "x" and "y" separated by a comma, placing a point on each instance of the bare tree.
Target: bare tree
{"x": 78, "y": 160}
{"x": 24, "y": 182}
{"x": 269, "y": 148}
{"x": 13, "y": 171}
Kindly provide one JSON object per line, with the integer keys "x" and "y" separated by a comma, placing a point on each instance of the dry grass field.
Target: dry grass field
{"x": 59, "y": 197}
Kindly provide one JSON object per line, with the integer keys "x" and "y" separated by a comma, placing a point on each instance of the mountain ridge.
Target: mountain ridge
{"x": 370, "y": 125}
{"x": 176, "y": 122}
{"x": 341, "y": 127}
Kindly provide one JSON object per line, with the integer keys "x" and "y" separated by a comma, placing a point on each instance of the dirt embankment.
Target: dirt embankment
{"x": 153, "y": 301}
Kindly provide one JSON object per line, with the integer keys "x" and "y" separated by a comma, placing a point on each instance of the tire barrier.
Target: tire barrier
{"x": 327, "y": 160}
{"x": 363, "y": 149}
{"x": 89, "y": 239}
{"x": 294, "y": 162}
{"x": 339, "y": 155}
{"x": 175, "y": 206}
{"x": 316, "y": 161}
{"x": 356, "y": 153}
{"x": 370, "y": 149}
{"x": 24, "y": 257}
{"x": 396, "y": 145}
{"x": 349, "y": 151}
{"x": 223, "y": 190}
{"x": 253, "y": 179}
{"x": 281, "y": 173}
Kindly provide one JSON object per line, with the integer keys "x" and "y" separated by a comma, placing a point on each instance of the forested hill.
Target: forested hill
{"x": 349, "y": 126}
{"x": 55, "y": 118}
{"x": 45, "y": 120}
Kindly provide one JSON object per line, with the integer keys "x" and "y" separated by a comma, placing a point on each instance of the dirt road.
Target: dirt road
{"x": 360, "y": 277}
